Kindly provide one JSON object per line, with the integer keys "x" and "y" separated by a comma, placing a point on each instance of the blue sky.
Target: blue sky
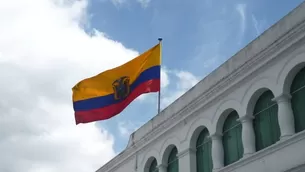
{"x": 198, "y": 36}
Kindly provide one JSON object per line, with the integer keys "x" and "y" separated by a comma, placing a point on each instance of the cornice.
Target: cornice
{"x": 216, "y": 91}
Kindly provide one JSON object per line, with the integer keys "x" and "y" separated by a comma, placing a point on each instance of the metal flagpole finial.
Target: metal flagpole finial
{"x": 160, "y": 39}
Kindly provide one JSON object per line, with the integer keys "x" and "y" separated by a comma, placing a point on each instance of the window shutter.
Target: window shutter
{"x": 297, "y": 91}
{"x": 173, "y": 163}
{"x": 203, "y": 152}
{"x": 153, "y": 167}
{"x": 232, "y": 143}
{"x": 266, "y": 126}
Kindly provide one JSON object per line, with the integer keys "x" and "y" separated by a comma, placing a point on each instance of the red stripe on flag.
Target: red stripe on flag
{"x": 112, "y": 110}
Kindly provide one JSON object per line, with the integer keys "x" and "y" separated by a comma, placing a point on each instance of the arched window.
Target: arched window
{"x": 153, "y": 166}
{"x": 172, "y": 163}
{"x": 297, "y": 91}
{"x": 203, "y": 152}
{"x": 231, "y": 139}
{"x": 265, "y": 123}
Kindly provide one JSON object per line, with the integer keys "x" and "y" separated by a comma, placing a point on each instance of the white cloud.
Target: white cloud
{"x": 241, "y": 9}
{"x": 44, "y": 51}
{"x": 144, "y": 3}
{"x": 255, "y": 23}
{"x": 186, "y": 80}
{"x": 258, "y": 25}
{"x": 164, "y": 78}
{"x": 127, "y": 127}
{"x": 119, "y": 3}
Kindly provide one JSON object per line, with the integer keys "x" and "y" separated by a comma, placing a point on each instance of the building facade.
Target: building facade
{"x": 246, "y": 116}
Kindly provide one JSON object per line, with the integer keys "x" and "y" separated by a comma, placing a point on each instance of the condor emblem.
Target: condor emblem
{"x": 121, "y": 87}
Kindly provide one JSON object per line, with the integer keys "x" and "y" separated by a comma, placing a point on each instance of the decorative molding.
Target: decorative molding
{"x": 212, "y": 94}
{"x": 262, "y": 153}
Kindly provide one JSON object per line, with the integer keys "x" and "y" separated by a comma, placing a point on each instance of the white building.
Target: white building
{"x": 246, "y": 116}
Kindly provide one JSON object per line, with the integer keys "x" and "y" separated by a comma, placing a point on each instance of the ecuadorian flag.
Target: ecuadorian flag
{"x": 110, "y": 92}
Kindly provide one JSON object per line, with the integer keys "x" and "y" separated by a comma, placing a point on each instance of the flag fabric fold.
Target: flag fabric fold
{"x": 110, "y": 92}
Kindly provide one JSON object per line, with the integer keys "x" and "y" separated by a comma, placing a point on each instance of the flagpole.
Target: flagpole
{"x": 159, "y": 92}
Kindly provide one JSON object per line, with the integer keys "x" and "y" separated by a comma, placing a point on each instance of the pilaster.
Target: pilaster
{"x": 285, "y": 115}
{"x": 217, "y": 151}
{"x": 187, "y": 160}
{"x": 248, "y": 135}
{"x": 162, "y": 168}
